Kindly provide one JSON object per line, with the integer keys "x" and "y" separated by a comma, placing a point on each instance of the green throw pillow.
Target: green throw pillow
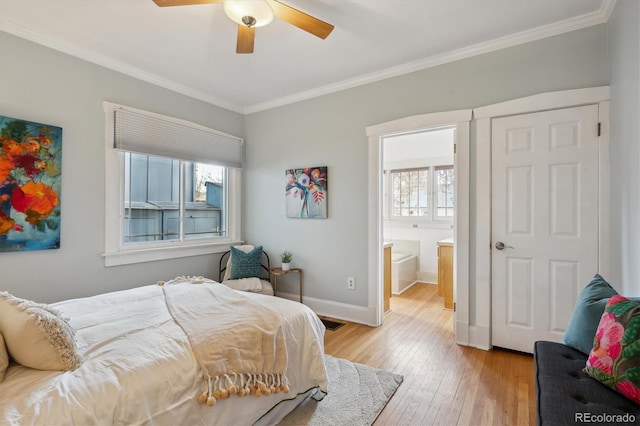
{"x": 586, "y": 314}
{"x": 246, "y": 265}
{"x": 614, "y": 359}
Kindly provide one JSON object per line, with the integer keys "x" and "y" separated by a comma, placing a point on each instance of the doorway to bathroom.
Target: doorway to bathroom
{"x": 418, "y": 199}
{"x": 458, "y": 120}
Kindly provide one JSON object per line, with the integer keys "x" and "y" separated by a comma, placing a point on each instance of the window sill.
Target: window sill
{"x": 151, "y": 254}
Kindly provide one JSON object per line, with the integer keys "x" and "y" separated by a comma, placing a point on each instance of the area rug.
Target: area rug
{"x": 356, "y": 395}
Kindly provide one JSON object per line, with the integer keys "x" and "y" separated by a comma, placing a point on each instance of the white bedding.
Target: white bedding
{"x": 138, "y": 368}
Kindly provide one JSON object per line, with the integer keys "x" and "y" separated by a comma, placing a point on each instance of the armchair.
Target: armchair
{"x": 261, "y": 283}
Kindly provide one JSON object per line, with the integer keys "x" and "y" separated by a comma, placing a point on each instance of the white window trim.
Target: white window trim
{"x": 390, "y": 199}
{"x": 436, "y": 217}
{"x": 432, "y": 218}
{"x": 116, "y": 252}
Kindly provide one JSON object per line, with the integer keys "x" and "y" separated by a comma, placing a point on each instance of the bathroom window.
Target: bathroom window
{"x": 410, "y": 192}
{"x": 425, "y": 193}
{"x": 444, "y": 191}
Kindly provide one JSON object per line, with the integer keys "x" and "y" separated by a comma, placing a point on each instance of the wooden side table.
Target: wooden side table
{"x": 278, "y": 272}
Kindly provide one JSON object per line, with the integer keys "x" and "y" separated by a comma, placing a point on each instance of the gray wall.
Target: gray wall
{"x": 330, "y": 130}
{"x": 624, "y": 62}
{"x": 43, "y": 85}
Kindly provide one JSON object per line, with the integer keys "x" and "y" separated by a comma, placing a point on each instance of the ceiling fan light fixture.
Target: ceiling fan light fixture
{"x": 241, "y": 12}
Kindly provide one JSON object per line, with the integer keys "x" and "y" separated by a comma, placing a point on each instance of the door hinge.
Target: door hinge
{"x": 455, "y": 148}
{"x": 454, "y": 306}
{"x": 599, "y": 129}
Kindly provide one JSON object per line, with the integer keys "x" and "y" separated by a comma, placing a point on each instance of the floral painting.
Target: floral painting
{"x": 30, "y": 164}
{"x": 306, "y": 192}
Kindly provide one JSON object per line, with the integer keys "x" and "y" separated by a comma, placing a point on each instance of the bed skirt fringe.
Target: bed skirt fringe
{"x": 222, "y": 387}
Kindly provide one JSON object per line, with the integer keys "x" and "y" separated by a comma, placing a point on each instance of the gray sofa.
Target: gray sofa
{"x": 565, "y": 395}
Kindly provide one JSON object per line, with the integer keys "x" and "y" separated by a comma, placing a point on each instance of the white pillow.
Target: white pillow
{"x": 36, "y": 335}
{"x": 4, "y": 358}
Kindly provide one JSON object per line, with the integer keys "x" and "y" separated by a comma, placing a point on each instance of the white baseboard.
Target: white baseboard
{"x": 405, "y": 289}
{"x": 428, "y": 277}
{"x": 340, "y": 311}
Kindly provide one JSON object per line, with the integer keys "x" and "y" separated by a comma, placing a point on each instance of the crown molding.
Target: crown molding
{"x": 606, "y": 9}
{"x": 594, "y": 18}
{"x": 115, "y": 65}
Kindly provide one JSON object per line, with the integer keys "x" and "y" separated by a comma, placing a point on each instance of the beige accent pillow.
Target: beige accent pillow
{"x": 36, "y": 335}
{"x": 4, "y": 358}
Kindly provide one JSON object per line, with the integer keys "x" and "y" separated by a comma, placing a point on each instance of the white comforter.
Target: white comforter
{"x": 138, "y": 368}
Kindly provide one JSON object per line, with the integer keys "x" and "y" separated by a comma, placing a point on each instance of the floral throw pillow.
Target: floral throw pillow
{"x": 614, "y": 359}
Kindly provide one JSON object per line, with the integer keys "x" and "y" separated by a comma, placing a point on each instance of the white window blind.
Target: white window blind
{"x": 153, "y": 134}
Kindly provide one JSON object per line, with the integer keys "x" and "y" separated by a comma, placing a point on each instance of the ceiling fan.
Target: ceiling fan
{"x": 250, "y": 14}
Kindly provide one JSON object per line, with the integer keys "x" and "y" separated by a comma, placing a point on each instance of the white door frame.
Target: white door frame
{"x": 460, "y": 119}
{"x": 483, "y": 117}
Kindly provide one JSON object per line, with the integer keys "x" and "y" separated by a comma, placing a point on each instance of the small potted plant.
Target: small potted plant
{"x": 286, "y": 257}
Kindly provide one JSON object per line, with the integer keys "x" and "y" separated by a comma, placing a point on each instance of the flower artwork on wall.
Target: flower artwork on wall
{"x": 30, "y": 165}
{"x": 306, "y": 192}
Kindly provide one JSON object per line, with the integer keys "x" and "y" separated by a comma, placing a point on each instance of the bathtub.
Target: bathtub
{"x": 404, "y": 267}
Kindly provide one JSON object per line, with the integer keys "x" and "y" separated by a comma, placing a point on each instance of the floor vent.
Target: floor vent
{"x": 331, "y": 325}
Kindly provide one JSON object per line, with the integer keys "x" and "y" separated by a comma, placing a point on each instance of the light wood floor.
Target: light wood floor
{"x": 444, "y": 384}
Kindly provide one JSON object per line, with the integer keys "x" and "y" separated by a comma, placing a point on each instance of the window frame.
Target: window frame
{"x": 432, "y": 217}
{"x": 418, "y": 170}
{"x": 436, "y": 206}
{"x": 116, "y": 251}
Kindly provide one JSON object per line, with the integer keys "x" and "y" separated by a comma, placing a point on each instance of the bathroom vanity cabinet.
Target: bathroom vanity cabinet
{"x": 387, "y": 277}
{"x": 445, "y": 271}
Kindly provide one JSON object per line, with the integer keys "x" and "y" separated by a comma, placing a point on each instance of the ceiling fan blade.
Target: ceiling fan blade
{"x": 246, "y": 36}
{"x": 163, "y": 3}
{"x": 300, "y": 19}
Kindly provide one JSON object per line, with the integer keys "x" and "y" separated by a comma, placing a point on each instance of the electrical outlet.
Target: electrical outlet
{"x": 351, "y": 283}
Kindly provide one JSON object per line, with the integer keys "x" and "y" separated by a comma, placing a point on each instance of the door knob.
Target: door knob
{"x": 500, "y": 245}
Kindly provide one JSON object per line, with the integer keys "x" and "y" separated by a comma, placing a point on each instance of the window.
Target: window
{"x": 425, "y": 192}
{"x": 153, "y": 204}
{"x": 444, "y": 190}
{"x": 172, "y": 187}
{"x": 410, "y": 192}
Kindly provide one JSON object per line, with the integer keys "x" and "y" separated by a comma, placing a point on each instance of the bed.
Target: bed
{"x": 138, "y": 367}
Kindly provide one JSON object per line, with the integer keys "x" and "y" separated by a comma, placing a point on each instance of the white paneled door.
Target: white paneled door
{"x": 544, "y": 221}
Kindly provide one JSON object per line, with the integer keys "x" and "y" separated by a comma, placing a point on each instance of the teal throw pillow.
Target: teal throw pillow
{"x": 246, "y": 265}
{"x": 586, "y": 314}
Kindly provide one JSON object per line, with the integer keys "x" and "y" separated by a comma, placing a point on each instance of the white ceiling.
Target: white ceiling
{"x": 191, "y": 49}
